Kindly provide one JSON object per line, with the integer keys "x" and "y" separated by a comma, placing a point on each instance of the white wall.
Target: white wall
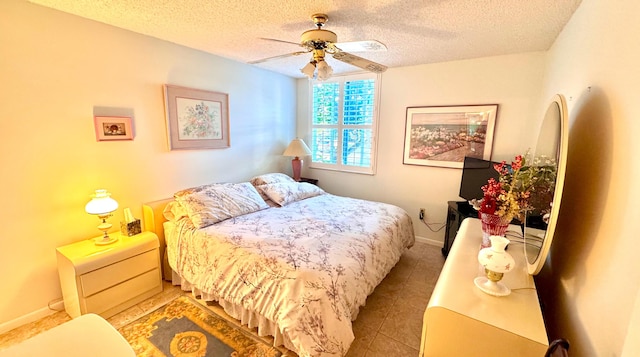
{"x": 55, "y": 68}
{"x": 513, "y": 82}
{"x": 592, "y": 279}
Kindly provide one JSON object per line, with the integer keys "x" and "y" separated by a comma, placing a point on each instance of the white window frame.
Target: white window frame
{"x": 340, "y": 126}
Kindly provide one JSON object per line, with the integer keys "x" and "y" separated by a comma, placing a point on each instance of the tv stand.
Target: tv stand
{"x": 457, "y": 211}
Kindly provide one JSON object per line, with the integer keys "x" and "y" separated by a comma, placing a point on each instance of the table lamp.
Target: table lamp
{"x": 102, "y": 205}
{"x": 297, "y": 148}
{"x": 496, "y": 262}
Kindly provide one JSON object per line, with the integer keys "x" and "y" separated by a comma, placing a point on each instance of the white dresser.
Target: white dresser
{"x": 461, "y": 320}
{"x": 106, "y": 279}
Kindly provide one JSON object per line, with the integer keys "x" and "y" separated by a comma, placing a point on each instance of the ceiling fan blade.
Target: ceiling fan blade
{"x": 283, "y": 41}
{"x": 359, "y": 62}
{"x": 280, "y": 56}
{"x": 361, "y": 46}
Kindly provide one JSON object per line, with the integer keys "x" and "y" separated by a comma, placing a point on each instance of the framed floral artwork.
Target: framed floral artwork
{"x": 444, "y": 135}
{"x": 196, "y": 119}
{"x": 110, "y": 128}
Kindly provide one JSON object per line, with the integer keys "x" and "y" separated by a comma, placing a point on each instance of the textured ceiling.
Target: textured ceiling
{"x": 414, "y": 31}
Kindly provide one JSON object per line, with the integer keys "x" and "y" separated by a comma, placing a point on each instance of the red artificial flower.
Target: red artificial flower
{"x": 489, "y": 205}
{"x": 517, "y": 165}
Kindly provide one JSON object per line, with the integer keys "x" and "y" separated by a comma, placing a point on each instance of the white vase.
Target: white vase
{"x": 496, "y": 262}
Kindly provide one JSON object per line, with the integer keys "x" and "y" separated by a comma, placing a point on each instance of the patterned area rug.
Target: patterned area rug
{"x": 184, "y": 328}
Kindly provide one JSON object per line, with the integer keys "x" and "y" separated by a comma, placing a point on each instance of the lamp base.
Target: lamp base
{"x": 105, "y": 240}
{"x": 104, "y": 227}
{"x": 296, "y": 165}
{"x": 491, "y": 287}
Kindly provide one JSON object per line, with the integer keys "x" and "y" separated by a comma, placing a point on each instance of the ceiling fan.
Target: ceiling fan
{"x": 319, "y": 42}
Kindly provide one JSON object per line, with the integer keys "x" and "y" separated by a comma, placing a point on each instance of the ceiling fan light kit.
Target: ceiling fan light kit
{"x": 324, "y": 70}
{"x": 320, "y": 42}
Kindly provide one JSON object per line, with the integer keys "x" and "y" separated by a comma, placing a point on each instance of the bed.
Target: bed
{"x": 285, "y": 257}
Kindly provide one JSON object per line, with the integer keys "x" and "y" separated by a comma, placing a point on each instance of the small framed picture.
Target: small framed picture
{"x": 113, "y": 128}
{"x": 444, "y": 135}
{"x": 196, "y": 119}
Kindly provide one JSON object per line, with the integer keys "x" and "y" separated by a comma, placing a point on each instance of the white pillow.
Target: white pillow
{"x": 191, "y": 190}
{"x": 215, "y": 203}
{"x": 286, "y": 192}
{"x": 267, "y": 179}
{"x": 173, "y": 211}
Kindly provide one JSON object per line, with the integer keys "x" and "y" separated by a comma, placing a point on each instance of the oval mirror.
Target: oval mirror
{"x": 541, "y": 221}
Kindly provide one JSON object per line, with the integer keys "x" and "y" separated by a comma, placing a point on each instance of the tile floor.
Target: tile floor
{"x": 389, "y": 325}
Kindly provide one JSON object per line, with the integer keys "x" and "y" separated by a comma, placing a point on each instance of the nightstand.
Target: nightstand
{"x": 107, "y": 279}
{"x": 309, "y": 180}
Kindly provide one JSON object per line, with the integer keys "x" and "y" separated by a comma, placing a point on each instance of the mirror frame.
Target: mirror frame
{"x": 534, "y": 267}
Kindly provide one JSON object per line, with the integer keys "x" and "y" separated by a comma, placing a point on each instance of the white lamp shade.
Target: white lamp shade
{"x": 297, "y": 148}
{"x": 101, "y": 203}
{"x": 309, "y": 69}
{"x": 324, "y": 71}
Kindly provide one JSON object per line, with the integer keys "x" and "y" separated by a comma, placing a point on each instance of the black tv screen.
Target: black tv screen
{"x": 475, "y": 174}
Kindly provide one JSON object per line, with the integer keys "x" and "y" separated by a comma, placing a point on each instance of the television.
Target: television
{"x": 475, "y": 174}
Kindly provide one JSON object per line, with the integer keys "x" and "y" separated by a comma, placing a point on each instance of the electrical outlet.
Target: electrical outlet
{"x": 421, "y": 215}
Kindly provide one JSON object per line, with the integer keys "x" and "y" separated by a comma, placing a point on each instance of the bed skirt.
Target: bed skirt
{"x": 246, "y": 317}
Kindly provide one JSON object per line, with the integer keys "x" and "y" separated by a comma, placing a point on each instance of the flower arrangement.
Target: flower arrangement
{"x": 519, "y": 188}
{"x": 540, "y": 177}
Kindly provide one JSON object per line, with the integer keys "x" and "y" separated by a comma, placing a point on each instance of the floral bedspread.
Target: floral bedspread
{"x": 308, "y": 266}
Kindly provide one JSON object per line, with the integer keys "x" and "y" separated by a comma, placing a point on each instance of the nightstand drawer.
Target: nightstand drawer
{"x": 104, "y": 278}
{"x": 115, "y": 295}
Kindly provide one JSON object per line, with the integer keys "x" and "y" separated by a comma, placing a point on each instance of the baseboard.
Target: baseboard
{"x": 31, "y": 317}
{"x": 429, "y": 241}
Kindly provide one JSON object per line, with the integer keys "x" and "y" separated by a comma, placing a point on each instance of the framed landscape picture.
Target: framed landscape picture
{"x": 444, "y": 135}
{"x": 196, "y": 119}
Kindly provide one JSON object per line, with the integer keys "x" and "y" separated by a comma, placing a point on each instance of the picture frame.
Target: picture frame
{"x": 443, "y": 135}
{"x": 196, "y": 119}
{"x": 113, "y": 128}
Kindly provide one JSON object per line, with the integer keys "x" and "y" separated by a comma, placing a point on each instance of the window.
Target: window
{"x": 344, "y": 123}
